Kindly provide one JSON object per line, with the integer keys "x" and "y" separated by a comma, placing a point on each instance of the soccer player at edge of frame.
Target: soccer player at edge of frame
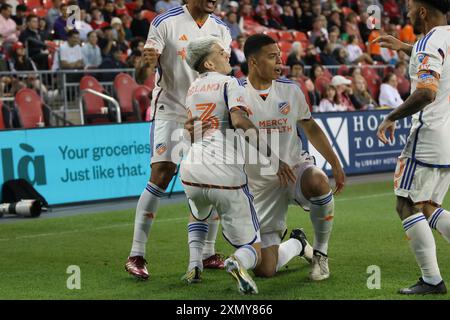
{"x": 281, "y": 100}
{"x": 220, "y": 182}
{"x": 422, "y": 175}
{"x": 165, "y": 49}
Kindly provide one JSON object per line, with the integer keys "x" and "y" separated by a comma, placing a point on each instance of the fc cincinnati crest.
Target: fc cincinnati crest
{"x": 161, "y": 148}
{"x": 284, "y": 107}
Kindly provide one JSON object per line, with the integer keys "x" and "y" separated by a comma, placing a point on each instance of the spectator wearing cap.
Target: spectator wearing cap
{"x": 60, "y": 27}
{"x": 82, "y": 26}
{"x": 165, "y": 5}
{"x": 8, "y": 27}
{"x": 37, "y": 48}
{"x": 389, "y": 95}
{"x": 53, "y": 14}
{"x": 344, "y": 91}
{"x": 20, "y": 17}
{"x": 97, "y": 21}
{"x": 231, "y": 22}
{"x": 20, "y": 62}
{"x": 92, "y": 56}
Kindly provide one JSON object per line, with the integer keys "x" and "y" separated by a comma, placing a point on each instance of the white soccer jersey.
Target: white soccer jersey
{"x": 170, "y": 34}
{"x": 216, "y": 160}
{"x": 428, "y": 142}
{"x": 284, "y": 105}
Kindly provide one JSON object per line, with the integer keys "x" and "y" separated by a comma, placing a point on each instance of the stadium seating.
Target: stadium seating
{"x": 31, "y": 4}
{"x": 286, "y": 36}
{"x": 93, "y": 105}
{"x": 142, "y": 96}
{"x": 29, "y": 108}
{"x": 273, "y": 35}
{"x": 40, "y": 12}
{"x": 47, "y": 4}
{"x": 285, "y": 46}
{"x": 301, "y": 37}
{"x": 124, "y": 87}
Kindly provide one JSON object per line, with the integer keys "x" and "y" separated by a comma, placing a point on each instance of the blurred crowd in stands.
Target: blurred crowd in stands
{"x": 326, "y": 44}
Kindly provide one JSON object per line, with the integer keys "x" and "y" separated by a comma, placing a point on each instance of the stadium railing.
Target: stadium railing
{"x": 60, "y": 90}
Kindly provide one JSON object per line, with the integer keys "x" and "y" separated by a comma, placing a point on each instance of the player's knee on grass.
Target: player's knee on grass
{"x": 268, "y": 263}
{"x": 162, "y": 173}
{"x": 314, "y": 183}
{"x": 405, "y": 208}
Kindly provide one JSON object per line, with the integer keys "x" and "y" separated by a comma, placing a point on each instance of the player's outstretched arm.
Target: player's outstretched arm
{"x": 390, "y": 42}
{"x": 318, "y": 139}
{"x": 240, "y": 120}
{"x": 415, "y": 103}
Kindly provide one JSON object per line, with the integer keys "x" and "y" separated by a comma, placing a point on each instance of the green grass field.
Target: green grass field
{"x": 36, "y": 253}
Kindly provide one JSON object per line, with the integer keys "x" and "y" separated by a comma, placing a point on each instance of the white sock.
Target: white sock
{"x": 196, "y": 239}
{"x": 321, "y": 215}
{"x": 287, "y": 250}
{"x": 423, "y": 246}
{"x": 440, "y": 220}
{"x": 247, "y": 256}
{"x": 145, "y": 213}
{"x": 213, "y": 227}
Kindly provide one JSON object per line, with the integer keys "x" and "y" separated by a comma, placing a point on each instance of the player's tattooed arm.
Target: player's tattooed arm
{"x": 319, "y": 140}
{"x": 415, "y": 103}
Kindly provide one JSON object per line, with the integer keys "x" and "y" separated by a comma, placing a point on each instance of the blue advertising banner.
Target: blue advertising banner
{"x": 74, "y": 164}
{"x": 353, "y": 136}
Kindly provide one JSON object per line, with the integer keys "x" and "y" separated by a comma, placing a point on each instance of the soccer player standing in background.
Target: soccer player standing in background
{"x": 165, "y": 49}
{"x": 422, "y": 176}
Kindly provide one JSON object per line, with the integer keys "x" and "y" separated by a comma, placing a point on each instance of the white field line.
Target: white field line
{"x": 121, "y": 225}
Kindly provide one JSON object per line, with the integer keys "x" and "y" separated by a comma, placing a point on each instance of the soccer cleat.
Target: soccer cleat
{"x": 307, "y": 250}
{"x": 245, "y": 283}
{"x": 136, "y": 267}
{"x": 319, "y": 267}
{"x": 193, "y": 276}
{"x": 214, "y": 262}
{"x": 421, "y": 287}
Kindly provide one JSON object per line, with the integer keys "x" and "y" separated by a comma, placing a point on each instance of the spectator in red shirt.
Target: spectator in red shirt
{"x": 120, "y": 8}
{"x": 97, "y": 21}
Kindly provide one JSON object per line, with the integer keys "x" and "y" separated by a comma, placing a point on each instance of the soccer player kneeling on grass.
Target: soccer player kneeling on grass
{"x": 212, "y": 172}
{"x": 278, "y": 105}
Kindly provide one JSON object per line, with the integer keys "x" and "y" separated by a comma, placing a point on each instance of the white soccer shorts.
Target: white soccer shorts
{"x": 240, "y": 225}
{"x": 272, "y": 204}
{"x": 419, "y": 183}
{"x": 166, "y": 141}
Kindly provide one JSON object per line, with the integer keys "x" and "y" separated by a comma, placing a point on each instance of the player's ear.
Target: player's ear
{"x": 208, "y": 65}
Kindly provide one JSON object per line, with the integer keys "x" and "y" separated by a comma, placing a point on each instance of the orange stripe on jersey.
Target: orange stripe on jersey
{"x": 264, "y": 95}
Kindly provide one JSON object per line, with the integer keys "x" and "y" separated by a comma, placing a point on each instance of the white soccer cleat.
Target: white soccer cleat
{"x": 319, "y": 267}
{"x": 245, "y": 283}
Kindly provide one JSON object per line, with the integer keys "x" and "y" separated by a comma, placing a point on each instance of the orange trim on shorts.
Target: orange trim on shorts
{"x": 434, "y": 204}
{"x": 212, "y": 186}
